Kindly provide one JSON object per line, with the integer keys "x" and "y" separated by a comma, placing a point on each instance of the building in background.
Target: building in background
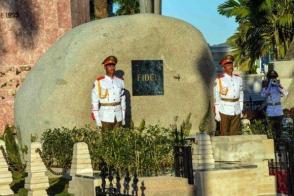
{"x": 27, "y": 29}
{"x": 218, "y": 51}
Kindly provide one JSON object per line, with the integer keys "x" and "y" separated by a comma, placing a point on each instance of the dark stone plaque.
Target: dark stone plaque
{"x": 147, "y": 77}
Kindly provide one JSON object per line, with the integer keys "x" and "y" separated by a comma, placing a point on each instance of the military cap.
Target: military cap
{"x": 272, "y": 74}
{"x": 110, "y": 60}
{"x": 227, "y": 59}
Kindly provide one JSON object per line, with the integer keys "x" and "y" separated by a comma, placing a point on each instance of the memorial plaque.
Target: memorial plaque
{"x": 147, "y": 77}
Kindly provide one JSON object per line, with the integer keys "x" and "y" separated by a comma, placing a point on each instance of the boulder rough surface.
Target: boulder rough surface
{"x": 56, "y": 92}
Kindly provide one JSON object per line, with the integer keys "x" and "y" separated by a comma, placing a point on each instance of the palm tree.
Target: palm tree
{"x": 290, "y": 52}
{"x": 265, "y": 26}
{"x": 127, "y": 7}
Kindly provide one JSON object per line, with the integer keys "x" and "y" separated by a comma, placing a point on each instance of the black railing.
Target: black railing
{"x": 183, "y": 157}
{"x": 126, "y": 186}
{"x": 283, "y": 166}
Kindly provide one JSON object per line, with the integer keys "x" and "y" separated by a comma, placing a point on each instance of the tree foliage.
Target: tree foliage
{"x": 127, "y": 7}
{"x": 265, "y": 27}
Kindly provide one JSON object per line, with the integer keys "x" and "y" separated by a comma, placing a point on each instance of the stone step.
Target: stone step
{"x": 201, "y": 147}
{"x": 41, "y": 192}
{"x": 36, "y": 169}
{"x": 5, "y": 180}
{"x": 81, "y": 151}
{"x": 36, "y": 180}
{"x": 202, "y": 156}
{"x": 267, "y": 188}
{"x": 205, "y": 161}
{"x": 36, "y": 186}
{"x": 80, "y": 171}
{"x": 3, "y": 169}
{"x": 203, "y": 137}
{"x": 36, "y": 174}
{"x": 35, "y": 164}
{"x": 6, "y": 190}
{"x": 81, "y": 161}
{"x": 5, "y": 175}
{"x": 204, "y": 166}
{"x": 207, "y": 142}
{"x": 204, "y": 151}
{"x": 267, "y": 194}
{"x": 81, "y": 156}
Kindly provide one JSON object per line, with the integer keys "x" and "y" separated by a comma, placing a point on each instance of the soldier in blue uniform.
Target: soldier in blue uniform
{"x": 273, "y": 91}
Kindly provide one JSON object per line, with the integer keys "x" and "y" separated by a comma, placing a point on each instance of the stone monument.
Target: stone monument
{"x": 37, "y": 181}
{"x": 81, "y": 160}
{"x": 81, "y": 165}
{"x": 173, "y": 57}
{"x": 203, "y": 154}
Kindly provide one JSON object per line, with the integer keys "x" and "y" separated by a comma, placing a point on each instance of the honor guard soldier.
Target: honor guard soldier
{"x": 273, "y": 91}
{"x": 108, "y": 98}
{"x": 228, "y": 93}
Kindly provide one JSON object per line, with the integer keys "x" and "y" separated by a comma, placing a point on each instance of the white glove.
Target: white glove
{"x": 96, "y": 117}
{"x": 98, "y": 122}
{"x": 123, "y": 117}
{"x": 217, "y": 116}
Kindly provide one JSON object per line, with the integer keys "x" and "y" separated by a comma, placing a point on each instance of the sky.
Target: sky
{"x": 203, "y": 15}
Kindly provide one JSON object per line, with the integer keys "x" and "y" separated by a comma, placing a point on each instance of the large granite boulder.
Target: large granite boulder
{"x": 56, "y": 92}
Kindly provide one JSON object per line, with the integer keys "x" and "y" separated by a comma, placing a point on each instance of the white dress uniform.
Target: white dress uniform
{"x": 108, "y": 100}
{"x": 273, "y": 94}
{"x": 228, "y": 94}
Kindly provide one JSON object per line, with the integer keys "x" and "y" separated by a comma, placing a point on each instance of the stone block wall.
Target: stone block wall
{"x": 27, "y": 29}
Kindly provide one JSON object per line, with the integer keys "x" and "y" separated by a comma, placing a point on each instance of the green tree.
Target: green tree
{"x": 265, "y": 26}
{"x": 127, "y": 7}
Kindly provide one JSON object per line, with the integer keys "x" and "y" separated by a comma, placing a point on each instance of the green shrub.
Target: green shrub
{"x": 260, "y": 127}
{"x": 57, "y": 147}
{"x": 12, "y": 148}
{"x": 146, "y": 150}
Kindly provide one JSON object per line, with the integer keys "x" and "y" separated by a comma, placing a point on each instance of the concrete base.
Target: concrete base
{"x": 249, "y": 149}
{"x": 37, "y": 193}
{"x": 82, "y": 186}
{"x": 5, "y": 190}
{"x": 241, "y": 182}
{"x": 155, "y": 186}
{"x": 167, "y": 185}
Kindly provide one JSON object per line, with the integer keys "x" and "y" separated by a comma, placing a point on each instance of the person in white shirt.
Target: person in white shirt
{"x": 108, "y": 98}
{"x": 273, "y": 91}
{"x": 228, "y": 98}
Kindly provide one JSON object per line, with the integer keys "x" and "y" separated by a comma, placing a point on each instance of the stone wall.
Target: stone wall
{"x": 27, "y": 29}
{"x": 285, "y": 70}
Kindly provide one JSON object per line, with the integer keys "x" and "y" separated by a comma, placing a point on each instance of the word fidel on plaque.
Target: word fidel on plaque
{"x": 147, "y": 77}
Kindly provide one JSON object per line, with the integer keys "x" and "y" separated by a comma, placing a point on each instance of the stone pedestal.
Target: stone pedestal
{"x": 202, "y": 153}
{"x": 228, "y": 182}
{"x": 36, "y": 182}
{"x": 248, "y": 149}
{"x": 81, "y": 160}
{"x": 81, "y": 165}
{"x": 5, "y": 175}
